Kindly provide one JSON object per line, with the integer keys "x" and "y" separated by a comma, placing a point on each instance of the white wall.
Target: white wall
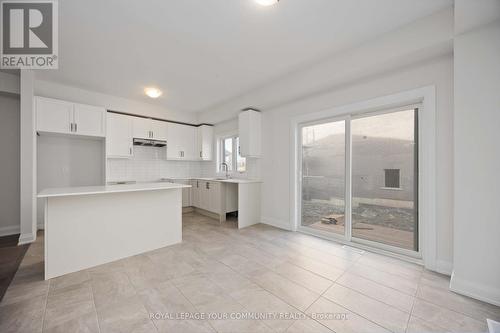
{"x": 276, "y": 132}
{"x": 477, "y": 163}
{"x": 9, "y": 163}
{"x": 9, "y": 83}
{"x": 73, "y": 94}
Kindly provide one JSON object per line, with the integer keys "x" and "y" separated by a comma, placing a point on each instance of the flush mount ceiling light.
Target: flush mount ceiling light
{"x": 267, "y": 2}
{"x": 153, "y": 92}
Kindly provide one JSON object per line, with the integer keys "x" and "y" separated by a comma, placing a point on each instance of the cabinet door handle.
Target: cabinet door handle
{"x": 130, "y": 150}
{"x": 197, "y": 184}
{"x": 76, "y": 127}
{"x": 71, "y": 127}
{"x": 207, "y": 186}
{"x": 201, "y": 155}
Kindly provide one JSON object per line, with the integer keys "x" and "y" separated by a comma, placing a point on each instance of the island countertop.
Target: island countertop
{"x": 106, "y": 189}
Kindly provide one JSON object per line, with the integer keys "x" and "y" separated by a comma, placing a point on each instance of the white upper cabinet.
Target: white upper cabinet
{"x": 159, "y": 130}
{"x": 53, "y": 116}
{"x": 141, "y": 128}
{"x": 250, "y": 132}
{"x": 119, "y": 136}
{"x": 145, "y": 128}
{"x": 56, "y": 116}
{"x": 89, "y": 120}
{"x": 181, "y": 142}
{"x": 205, "y": 142}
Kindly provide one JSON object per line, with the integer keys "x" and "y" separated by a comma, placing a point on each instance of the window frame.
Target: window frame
{"x": 234, "y": 136}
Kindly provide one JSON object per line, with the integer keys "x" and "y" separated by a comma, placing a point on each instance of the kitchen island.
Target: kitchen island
{"x": 93, "y": 225}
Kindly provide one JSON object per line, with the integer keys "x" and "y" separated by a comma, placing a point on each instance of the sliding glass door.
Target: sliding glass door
{"x": 323, "y": 176}
{"x": 359, "y": 179}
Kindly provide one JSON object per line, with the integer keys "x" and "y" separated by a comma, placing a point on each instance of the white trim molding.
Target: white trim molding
{"x": 474, "y": 290}
{"x": 26, "y": 239}
{"x": 426, "y": 98}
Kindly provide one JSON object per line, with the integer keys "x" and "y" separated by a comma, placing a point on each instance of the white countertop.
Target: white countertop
{"x": 88, "y": 190}
{"x": 222, "y": 180}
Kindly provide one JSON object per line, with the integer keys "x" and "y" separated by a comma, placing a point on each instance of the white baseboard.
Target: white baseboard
{"x": 9, "y": 230}
{"x": 40, "y": 226}
{"x": 276, "y": 223}
{"x": 444, "y": 267}
{"x": 483, "y": 293}
{"x": 26, "y": 238}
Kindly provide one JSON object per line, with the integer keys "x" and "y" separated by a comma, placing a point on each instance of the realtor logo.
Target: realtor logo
{"x": 29, "y": 34}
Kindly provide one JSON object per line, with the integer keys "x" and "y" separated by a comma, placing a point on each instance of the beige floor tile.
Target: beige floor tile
{"x": 452, "y": 301}
{"x": 258, "y": 300}
{"x": 289, "y": 291}
{"x": 144, "y": 273}
{"x": 392, "y": 265}
{"x": 308, "y": 326}
{"x": 83, "y": 324}
{"x": 386, "y": 316}
{"x": 417, "y": 325}
{"x": 340, "y": 319}
{"x": 228, "y": 279}
{"x": 305, "y": 278}
{"x": 110, "y": 287}
{"x": 323, "y": 245}
{"x": 325, "y": 270}
{"x": 183, "y": 326}
{"x": 449, "y": 320}
{"x": 69, "y": 280}
{"x": 23, "y": 316}
{"x": 18, "y": 292}
{"x": 377, "y": 291}
{"x": 218, "y": 269}
{"x": 321, "y": 256}
{"x": 397, "y": 282}
{"x": 243, "y": 265}
{"x": 210, "y": 299}
{"x": 68, "y": 303}
{"x": 129, "y": 315}
{"x": 167, "y": 299}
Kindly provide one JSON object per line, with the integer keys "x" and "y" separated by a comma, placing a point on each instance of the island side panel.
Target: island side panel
{"x": 89, "y": 230}
{"x": 248, "y": 204}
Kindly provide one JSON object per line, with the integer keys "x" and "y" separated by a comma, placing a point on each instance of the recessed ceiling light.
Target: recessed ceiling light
{"x": 153, "y": 92}
{"x": 267, "y": 2}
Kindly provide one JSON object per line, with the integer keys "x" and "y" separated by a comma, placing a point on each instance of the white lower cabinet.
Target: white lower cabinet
{"x": 214, "y": 197}
{"x": 195, "y": 192}
{"x": 206, "y": 195}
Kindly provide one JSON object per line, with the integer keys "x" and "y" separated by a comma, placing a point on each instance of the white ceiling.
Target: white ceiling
{"x": 203, "y": 52}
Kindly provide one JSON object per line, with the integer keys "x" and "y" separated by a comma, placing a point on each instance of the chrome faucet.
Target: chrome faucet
{"x": 226, "y": 169}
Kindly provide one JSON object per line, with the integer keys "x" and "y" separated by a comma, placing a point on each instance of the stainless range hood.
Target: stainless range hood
{"x": 149, "y": 143}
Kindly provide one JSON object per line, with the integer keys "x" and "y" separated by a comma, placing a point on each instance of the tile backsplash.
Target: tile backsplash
{"x": 150, "y": 164}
